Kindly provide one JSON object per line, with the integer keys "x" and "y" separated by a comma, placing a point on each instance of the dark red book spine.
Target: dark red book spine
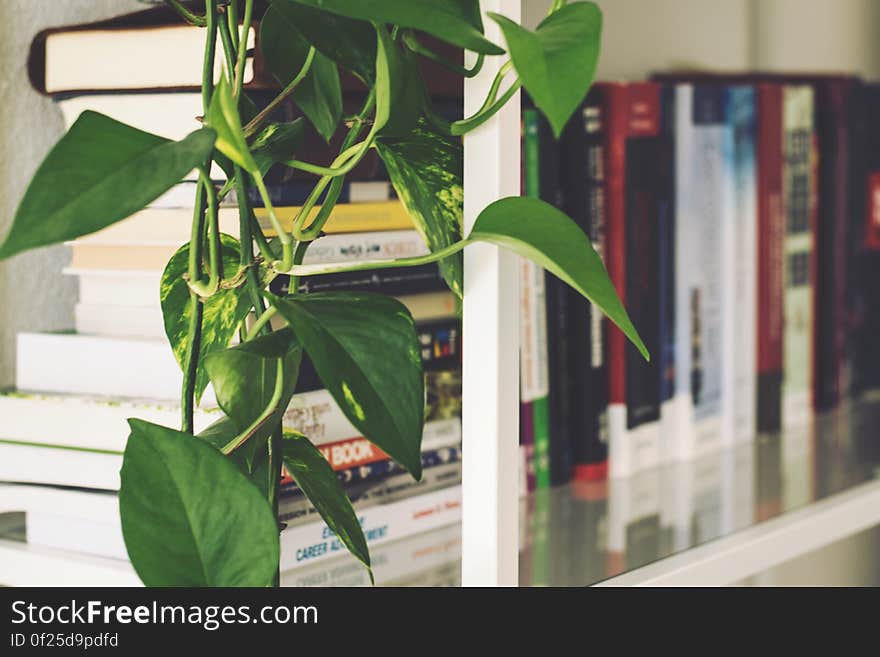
{"x": 616, "y": 98}
{"x": 771, "y": 235}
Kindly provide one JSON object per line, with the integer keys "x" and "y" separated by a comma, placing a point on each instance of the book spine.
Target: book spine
{"x": 799, "y": 190}
{"x": 666, "y": 254}
{"x": 771, "y": 262}
{"x": 296, "y": 192}
{"x": 868, "y": 355}
{"x": 534, "y": 386}
{"x": 633, "y": 120}
{"x": 711, "y": 132}
{"x": 832, "y": 128}
{"x": 554, "y": 419}
{"x": 315, "y": 541}
{"x": 742, "y": 324}
{"x": 374, "y": 470}
{"x": 584, "y": 155}
{"x": 345, "y": 218}
{"x": 390, "y": 281}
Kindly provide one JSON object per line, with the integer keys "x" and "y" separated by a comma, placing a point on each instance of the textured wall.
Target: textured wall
{"x": 33, "y": 293}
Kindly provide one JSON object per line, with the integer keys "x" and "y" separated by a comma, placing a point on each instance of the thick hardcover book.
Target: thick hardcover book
{"x": 633, "y": 152}
{"x": 552, "y": 410}
{"x": 799, "y": 184}
{"x": 584, "y": 157}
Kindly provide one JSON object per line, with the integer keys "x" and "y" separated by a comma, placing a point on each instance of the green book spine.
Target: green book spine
{"x": 536, "y": 391}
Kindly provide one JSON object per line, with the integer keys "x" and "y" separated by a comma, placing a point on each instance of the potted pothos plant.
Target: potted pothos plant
{"x": 201, "y": 509}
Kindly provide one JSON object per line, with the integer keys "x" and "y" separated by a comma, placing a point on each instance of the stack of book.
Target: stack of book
{"x": 65, "y": 424}
{"x": 730, "y": 211}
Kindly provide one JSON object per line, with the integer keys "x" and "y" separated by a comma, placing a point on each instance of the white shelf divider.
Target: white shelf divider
{"x": 490, "y": 375}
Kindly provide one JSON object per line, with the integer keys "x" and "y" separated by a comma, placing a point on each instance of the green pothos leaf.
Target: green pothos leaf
{"x": 223, "y": 117}
{"x": 76, "y": 189}
{"x": 456, "y": 21}
{"x": 365, "y": 350}
{"x": 540, "y": 232}
{"x": 349, "y": 42}
{"x": 319, "y": 483}
{"x": 189, "y": 517}
{"x": 285, "y": 50}
{"x": 426, "y": 169}
{"x": 223, "y": 312}
{"x": 277, "y": 142}
{"x": 252, "y": 459}
{"x": 557, "y": 61}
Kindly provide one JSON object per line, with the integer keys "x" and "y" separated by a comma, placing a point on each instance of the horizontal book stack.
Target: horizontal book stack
{"x": 65, "y": 425}
{"x": 737, "y": 217}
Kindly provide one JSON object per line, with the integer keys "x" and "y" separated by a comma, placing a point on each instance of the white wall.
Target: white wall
{"x": 641, "y": 36}
{"x": 33, "y": 294}
{"x": 818, "y": 35}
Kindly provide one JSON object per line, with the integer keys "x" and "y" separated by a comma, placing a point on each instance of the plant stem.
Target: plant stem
{"x": 411, "y": 41}
{"x": 232, "y": 22}
{"x": 228, "y": 44}
{"x": 283, "y": 237}
{"x": 188, "y": 16}
{"x": 208, "y": 62}
{"x": 215, "y": 274}
{"x": 265, "y": 416}
{"x": 255, "y": 123}
{"x": 461, "y": 127}
{"x": 191, "y": 362}
{"x": 487, "y": 109}
{"x": 246, "y": 247}
{"x": 242, "y": 47}
{"x": 262, "y": 320}
{"x": 260, "y": 238}
{"x": 275, "y": 462}
{"x": 194, "y": 330}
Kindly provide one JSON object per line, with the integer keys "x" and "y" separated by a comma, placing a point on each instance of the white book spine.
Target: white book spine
{"x": 745, "y": 322}
{"x": 59, "y": 466}
{"x": 678, "y": 423}
{"x": 314, "y": 542}
{"x": 101, "y": 424}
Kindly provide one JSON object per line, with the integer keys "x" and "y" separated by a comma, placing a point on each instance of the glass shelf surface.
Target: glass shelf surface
{"x": 585, "y": 532}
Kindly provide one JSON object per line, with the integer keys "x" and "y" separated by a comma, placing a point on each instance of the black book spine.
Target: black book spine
{"x": 644, "y": 159}
{"x": 390, "y": 281}
{"x": 583, "y": 157}
{"x": 868, "y": 232}
{"x": 558, "y": 327}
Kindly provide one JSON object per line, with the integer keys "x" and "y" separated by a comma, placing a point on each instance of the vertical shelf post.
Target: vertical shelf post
{"x": 490, "y": 376}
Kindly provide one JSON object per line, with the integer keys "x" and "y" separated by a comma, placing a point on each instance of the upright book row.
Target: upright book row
{"x": 731, "y": 216}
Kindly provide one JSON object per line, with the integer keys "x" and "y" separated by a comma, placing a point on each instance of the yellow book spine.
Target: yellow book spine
{"x": 346, "y": 217}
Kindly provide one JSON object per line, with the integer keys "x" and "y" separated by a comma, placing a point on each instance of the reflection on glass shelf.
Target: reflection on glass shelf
{"x": 582, "y": 533}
